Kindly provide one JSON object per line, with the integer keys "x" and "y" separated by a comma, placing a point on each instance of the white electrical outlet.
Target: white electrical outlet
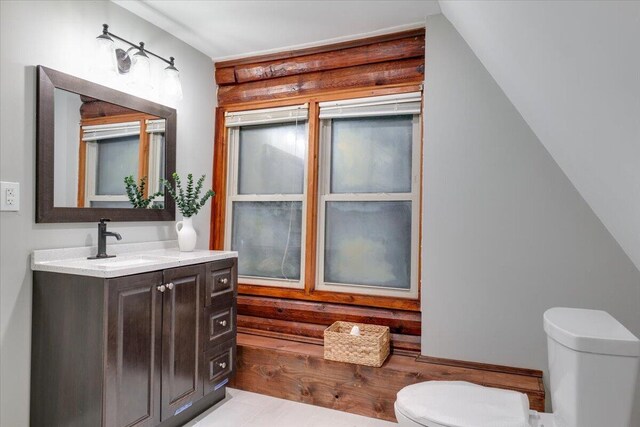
{"x": 9, "y": 196}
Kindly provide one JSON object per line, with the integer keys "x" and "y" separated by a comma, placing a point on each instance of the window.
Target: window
{"x": 117, "y": 150}
{"x": 112, "y": 154}
{"x": 267, "y": 158}
{"x": 369, "y": 196}
{"x": 364, "y": 217}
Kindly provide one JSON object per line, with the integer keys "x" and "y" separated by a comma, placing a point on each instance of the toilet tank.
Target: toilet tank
{"x": 593, "y": 367}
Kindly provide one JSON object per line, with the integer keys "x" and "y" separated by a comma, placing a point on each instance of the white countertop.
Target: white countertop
{"x": 131, "y": 258}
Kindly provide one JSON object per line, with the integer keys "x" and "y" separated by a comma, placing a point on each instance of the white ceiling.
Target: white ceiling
{"x": 572, "y": 69}
{"x": 228, "y": 29}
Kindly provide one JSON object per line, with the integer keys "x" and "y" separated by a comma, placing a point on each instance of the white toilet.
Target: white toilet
{"x": 593, "y": 369}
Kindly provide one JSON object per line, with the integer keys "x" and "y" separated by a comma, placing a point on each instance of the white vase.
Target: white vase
{"x": 186, "y": 235}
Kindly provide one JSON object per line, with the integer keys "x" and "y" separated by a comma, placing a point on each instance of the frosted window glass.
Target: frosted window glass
{"x": 117, "y": 158}
{"x": 368, "y": 243}
{"x": 272, "y": 159}
{"x": 267, "y": 236}
{"x": 371, "y": 155}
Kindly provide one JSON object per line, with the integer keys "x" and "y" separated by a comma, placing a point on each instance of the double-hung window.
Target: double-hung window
{"x": 364, "y": 196}
{"x": 369, "y": 200}
{"x": 112, "y": 154}
{"x": 267, "y": 194}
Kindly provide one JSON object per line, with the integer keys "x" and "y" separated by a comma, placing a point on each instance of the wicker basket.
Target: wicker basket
{"x": 370, "y": 348}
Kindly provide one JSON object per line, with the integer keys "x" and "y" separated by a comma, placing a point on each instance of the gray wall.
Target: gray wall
{"x": 506, "y": 235}
{"x": 60, "y": 35}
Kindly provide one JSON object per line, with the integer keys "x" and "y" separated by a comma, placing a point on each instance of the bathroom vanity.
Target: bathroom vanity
{"x": 143, "y": 339}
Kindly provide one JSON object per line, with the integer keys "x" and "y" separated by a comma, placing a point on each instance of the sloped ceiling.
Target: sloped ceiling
{"x": 572, "y": 69}
{"x": 224, "y": 29}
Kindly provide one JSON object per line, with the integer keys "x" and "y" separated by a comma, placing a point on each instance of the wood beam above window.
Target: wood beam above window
{"x": 372, "y": 62}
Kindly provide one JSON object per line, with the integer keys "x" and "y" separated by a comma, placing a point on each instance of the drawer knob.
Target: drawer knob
{"x": 222, "y": 364}
{"x": 223, "y": 281}
{"x": 222, "y": 322}
{"x": 161, "y": 288}
{"x": 169, "y": 286}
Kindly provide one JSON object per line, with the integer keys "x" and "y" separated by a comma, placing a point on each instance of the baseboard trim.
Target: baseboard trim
{"x": 480, "y": 366}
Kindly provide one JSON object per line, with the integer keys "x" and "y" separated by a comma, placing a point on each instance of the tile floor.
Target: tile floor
{"x": 244, "y": 409}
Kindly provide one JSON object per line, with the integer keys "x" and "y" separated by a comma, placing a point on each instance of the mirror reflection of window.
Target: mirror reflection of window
{"x": 155, "y": 129}
{"x": 112, "y": 154}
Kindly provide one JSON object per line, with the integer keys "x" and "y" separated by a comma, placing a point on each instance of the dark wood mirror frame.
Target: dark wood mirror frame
{"x": 48, "y": 81}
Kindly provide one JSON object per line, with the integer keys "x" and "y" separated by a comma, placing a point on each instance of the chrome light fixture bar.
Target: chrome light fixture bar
{"x": 137, "y": 64}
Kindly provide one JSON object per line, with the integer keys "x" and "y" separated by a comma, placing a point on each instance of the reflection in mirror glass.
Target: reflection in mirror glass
{"x": 97, "y": 146}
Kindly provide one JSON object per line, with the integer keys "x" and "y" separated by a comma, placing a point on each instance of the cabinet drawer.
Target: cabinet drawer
{"x": 219, "y": 365}
{"x": 220, "y": 325}
{"x": 221, "y": 282}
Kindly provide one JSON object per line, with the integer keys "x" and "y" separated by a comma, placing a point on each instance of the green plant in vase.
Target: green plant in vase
{"x": 135, "y": 193}
{"x": 189, "y": 203}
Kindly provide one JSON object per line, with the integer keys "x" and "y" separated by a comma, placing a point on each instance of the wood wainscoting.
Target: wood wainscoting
{"x": 306, "y": 320}
{"x": 297, "y": 371}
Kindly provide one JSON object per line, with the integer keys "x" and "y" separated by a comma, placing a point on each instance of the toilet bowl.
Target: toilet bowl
{"x": 593, "y": 366}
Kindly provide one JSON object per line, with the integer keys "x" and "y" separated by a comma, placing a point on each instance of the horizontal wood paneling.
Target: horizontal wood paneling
{"x": 362, "y": 92}
{"x": 332, "y": 297}
{"x": 312, "y": 332}
{"x": 385, "y": 73}
{"x": 393, "y": 50}
{"x": 399, "y": 322}
{"x": 297, "y": 371}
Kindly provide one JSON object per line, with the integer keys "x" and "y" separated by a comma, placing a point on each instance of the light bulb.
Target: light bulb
{"x": 171, "y": 85}
{"x": 140, "y": 73}
{"x": 105, "y": 60}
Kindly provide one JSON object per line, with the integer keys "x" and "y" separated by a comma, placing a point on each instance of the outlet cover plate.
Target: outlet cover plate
{"x": 9, "y": 196}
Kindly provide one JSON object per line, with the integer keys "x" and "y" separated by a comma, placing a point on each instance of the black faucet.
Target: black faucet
{"x": 102, "y": 239}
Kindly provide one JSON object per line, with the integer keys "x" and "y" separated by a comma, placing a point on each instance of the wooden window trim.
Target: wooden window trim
{"x": 218, "y": 211}
{"x": 143, "y": 151}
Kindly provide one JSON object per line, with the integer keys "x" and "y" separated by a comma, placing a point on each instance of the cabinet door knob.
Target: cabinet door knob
{"x": 169, "y": 285}
{"x": 223, "y": 280}
{"x": 222, "y": 322}
{"x": 222, "y": 364}
{"x": 161, "y": 288}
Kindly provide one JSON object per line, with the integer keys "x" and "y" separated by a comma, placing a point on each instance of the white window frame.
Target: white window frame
{"x": 233, "y": 122}
{"x": 91, "y": 135}
{"x": 155, "y": 128}
{"x": 370, "y": 107}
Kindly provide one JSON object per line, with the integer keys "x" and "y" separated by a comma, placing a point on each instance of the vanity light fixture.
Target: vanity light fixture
{"x": 136, "y": 64}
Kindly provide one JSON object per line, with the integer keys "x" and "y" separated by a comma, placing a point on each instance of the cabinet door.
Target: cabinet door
{"x": 134, "y": 325}
{"x": 181, "y": 346}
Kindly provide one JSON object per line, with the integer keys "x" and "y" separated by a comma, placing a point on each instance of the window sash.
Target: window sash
{"x": 233, "y": 162}
{"x": 325, "y": 195}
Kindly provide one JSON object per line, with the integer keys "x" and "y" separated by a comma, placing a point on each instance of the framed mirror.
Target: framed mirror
{"x": 101, "y": 153}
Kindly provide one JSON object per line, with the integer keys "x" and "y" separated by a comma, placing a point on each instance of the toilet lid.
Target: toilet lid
{"x": 462, "y": 404}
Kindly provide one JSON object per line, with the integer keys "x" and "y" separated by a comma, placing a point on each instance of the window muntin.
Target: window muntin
{"x": 267, "y": 194}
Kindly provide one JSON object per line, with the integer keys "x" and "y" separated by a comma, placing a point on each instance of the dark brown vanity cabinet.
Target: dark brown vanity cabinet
{"x": 149, "y": 349}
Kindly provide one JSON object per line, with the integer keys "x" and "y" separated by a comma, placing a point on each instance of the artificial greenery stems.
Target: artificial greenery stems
{"x": 188, "y": 200}
{"x": 135, "y": 193}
